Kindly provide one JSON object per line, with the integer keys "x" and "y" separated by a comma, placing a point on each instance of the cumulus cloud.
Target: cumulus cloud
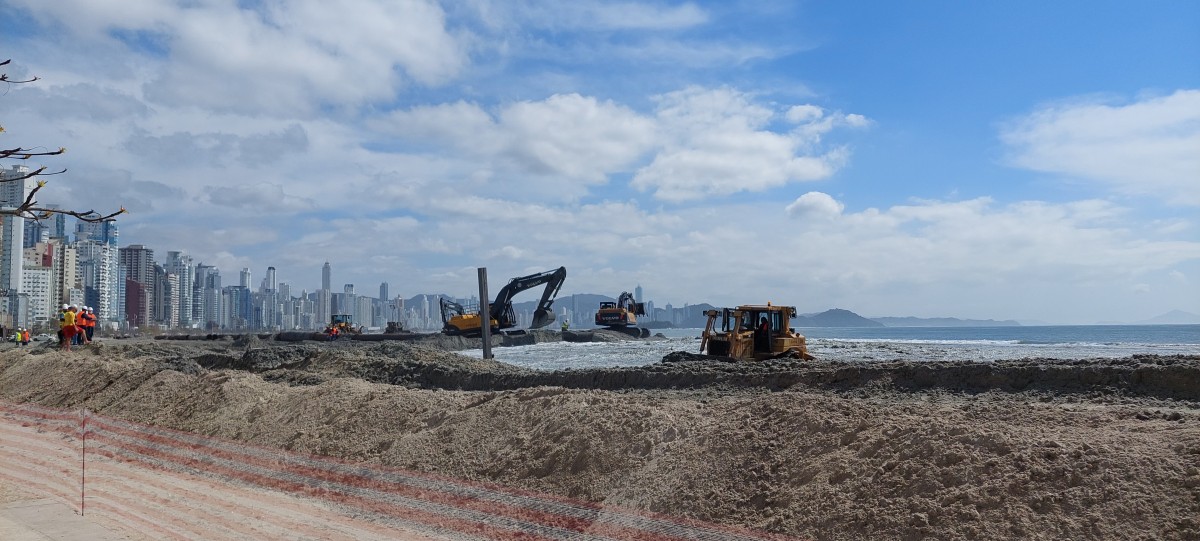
{"x": 1150, "y": 146}
{"x": 815, "y": 205}
{"x": 717, "y": 142}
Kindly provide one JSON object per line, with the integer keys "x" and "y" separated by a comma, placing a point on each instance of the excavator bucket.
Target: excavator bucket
{"x": 541, "y": 318}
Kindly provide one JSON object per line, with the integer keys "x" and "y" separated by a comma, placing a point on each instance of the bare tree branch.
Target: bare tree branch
{"x": 29, "y": 208}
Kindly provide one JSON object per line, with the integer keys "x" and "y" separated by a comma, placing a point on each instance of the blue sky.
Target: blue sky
{"x": 1036, "y": 161}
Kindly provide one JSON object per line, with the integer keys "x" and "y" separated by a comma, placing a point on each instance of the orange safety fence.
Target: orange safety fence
{"x": 168, "y": 484}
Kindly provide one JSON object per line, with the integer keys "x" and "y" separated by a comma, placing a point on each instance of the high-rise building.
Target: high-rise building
{"x": 14, "y": 188}
{"x": 35, "y": 232}
{"x": 637, "y": 293}
{"x": 245, "y": 281}
{"x": 138, "y": 262}
{"x": 383, "y": 292}
{"x": 326, "y": 276}
{"x": 270, "y": 281}
{"x": 180, "y": 265}
{"x": 207, "y": 297}
{"x": 106, "y": 232}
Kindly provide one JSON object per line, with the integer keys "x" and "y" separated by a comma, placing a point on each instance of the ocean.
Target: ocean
{"x": 885, "y": 344}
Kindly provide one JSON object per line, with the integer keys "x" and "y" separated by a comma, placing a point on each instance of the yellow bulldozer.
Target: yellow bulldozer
{"x": 753, "y": 333}
{"x": 344, "y": 323}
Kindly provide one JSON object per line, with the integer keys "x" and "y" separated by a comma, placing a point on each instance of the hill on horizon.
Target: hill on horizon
{"x": 1174, "y": 317}
{"x": 835, "y": 317}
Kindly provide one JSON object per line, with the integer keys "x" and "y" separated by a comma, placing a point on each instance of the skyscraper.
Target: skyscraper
{"x": 245, "y": 281}
{"x": 138, "y": 262}
{"x": 271, "y": 285}
{"x": 180, "y": 265}
{"x": 637, "y": 293}
{"x": 326, "y": 274}
{"x": 383, "y": 292}
{"x": 13, "y": 191}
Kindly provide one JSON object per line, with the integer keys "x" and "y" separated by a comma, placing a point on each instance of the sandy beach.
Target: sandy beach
{"x": 1028, "y": 449}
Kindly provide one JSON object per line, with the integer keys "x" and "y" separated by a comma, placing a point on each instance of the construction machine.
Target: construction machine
{"x": 622, "y": 315}
{"x": 344, "y": 323}
{"x": 457, "y": 320}
{"x": 754, "y": 333}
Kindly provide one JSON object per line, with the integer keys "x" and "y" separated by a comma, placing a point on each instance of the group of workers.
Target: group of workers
{"x": 76, "y": 326}
{"x": 21, "y": 337}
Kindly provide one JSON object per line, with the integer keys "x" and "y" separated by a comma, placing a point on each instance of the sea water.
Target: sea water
{"x": 885, "y": 344}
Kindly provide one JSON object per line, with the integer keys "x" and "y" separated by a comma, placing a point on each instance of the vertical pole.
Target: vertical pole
{"x": 83, "y": 465}
{"x": 485, "y": 317}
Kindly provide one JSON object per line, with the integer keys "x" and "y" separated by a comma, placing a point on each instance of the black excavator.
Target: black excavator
{"x": 457, "y": 320}
{"x": 622, "y": 315}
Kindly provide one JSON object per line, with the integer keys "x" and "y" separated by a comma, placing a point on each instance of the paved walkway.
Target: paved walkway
{"x": 49, "y": 520}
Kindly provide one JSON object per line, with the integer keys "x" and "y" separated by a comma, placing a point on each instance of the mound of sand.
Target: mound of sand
{"x": 1032, "y": 449}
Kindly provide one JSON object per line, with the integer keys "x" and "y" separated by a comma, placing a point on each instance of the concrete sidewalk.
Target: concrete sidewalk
{"x": 49, "y": 520}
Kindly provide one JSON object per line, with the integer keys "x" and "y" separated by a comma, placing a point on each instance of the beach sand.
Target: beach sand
{"x": 1030, "y": 449}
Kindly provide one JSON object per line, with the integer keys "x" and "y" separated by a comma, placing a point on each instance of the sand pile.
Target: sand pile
{"x": 892, "y": 451}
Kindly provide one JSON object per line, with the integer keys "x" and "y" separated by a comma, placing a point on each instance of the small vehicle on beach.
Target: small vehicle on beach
{"x": 754, "y": 333}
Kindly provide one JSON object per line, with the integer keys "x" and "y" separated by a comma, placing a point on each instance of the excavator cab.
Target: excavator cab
{"x": 457, "y": 320}
{"x": 753, "y": 332}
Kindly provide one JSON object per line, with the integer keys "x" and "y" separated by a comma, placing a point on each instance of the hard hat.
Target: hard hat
{"x": 65, "y": 306}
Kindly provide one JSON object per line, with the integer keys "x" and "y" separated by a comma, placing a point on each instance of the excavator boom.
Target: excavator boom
{"x": 456, "y": 319}
{"x": 502, "y": 310}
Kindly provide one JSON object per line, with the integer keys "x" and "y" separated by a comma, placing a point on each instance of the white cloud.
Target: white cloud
{"x": 717, "y": 142}
{"x": 815, "y": 205}
{"x": 278, "y": 59}
{"x": 1149, "y": 147}
{"x": 602, "y": 16}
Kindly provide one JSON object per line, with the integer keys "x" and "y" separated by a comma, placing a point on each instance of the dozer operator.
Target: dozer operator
{"x": 457, "y": 320}
{"x": 754, "y": 333}
{"x": 622, "y": 315}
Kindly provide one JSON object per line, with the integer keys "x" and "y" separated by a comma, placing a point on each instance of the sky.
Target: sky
{"x": 1027, "y": 160}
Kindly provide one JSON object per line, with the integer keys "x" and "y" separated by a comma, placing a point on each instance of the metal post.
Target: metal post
{"x": 485, "y": 317}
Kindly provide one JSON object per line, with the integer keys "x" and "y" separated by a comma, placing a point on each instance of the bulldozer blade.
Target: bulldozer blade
{"x": 541, "y": 318}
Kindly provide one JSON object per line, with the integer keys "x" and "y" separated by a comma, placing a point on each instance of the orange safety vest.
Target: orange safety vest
{"x": 89, "y": 320}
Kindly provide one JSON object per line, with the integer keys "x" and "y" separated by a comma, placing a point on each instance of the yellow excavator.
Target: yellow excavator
{"x": 622, "y": 315}
{"x": 754, "y": 333}
{"x": 457, "y": 320}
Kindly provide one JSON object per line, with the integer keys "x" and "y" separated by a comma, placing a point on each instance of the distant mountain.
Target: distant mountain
{"x": 1174, "y": 317}
{"x": 910, "y": 321}
{"x": 836, "y": 317}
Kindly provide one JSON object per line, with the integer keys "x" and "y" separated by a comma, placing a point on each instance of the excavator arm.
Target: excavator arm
{"x": 450, "y": 309}
{"x": 626, "y": 301}
{"x": 502, "y": 310}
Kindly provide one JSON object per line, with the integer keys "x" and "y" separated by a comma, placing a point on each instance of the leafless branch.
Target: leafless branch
{"x": 29, "y": 208}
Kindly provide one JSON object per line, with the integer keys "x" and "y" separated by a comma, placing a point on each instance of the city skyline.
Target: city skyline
{"x": 1024, "y": 160}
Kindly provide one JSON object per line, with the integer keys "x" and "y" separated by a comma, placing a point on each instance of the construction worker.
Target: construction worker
{"x": 565, "y": 325}
{"x": 762, "y": 335}
{"x": 68, "y": 328}
{"x": 61, "y": 315}
{"x": 87, "y": 322}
